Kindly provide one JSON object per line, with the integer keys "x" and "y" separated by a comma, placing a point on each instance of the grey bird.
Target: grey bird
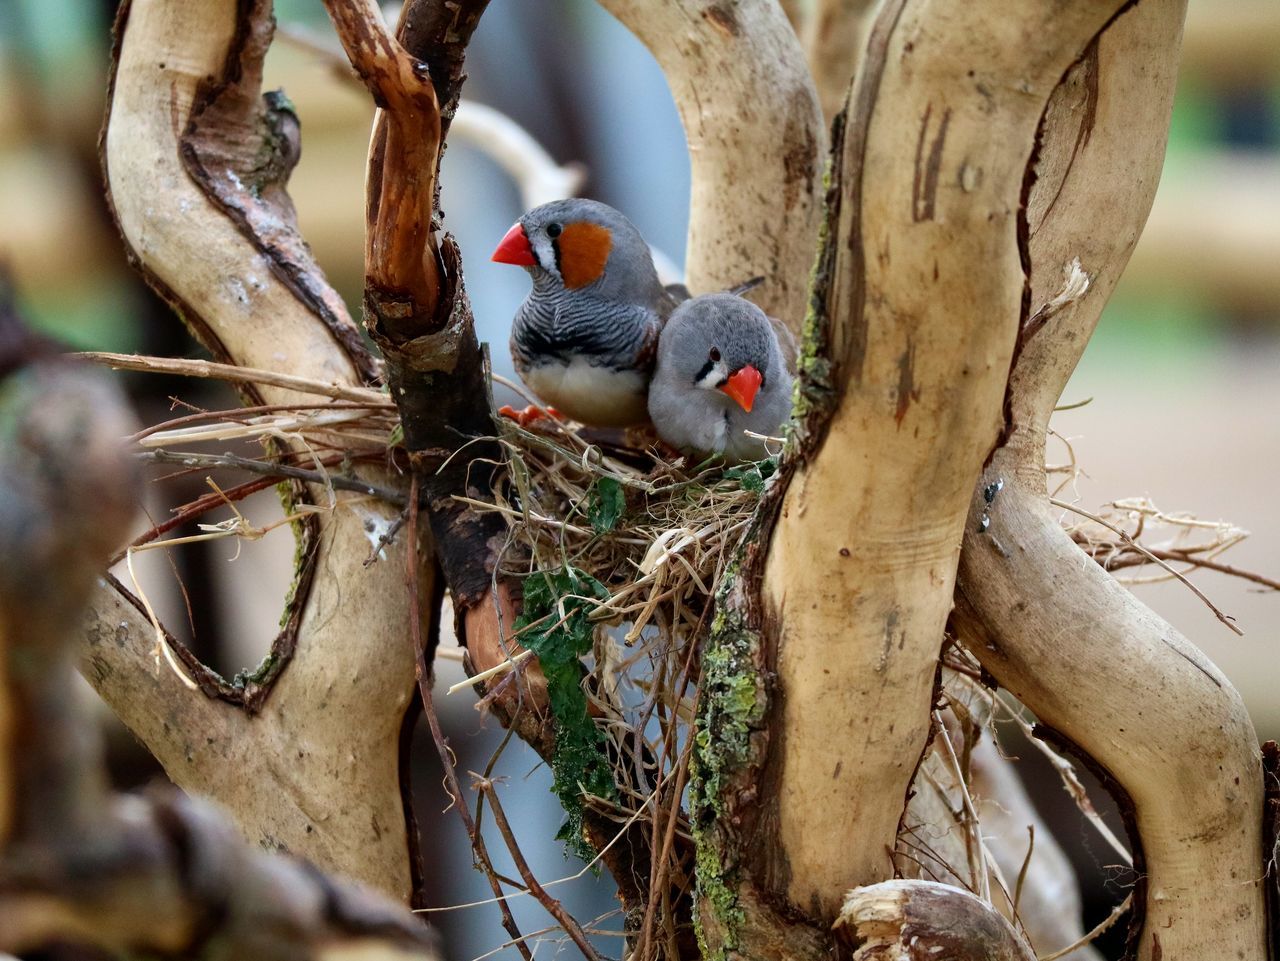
{"x": 720, "y": 373}
{"x": 585, "y": 338}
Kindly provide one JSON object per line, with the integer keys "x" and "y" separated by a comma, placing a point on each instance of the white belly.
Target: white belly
{"x": 592, "y": 395}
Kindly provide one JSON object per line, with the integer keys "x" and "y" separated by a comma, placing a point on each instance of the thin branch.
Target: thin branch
{"x": 977, "y": 855}
{"x": 1186, "y": 556}
{"x": 1026, "y": 863}
{"x": 554, "y": 907}
{"x": 191, "y": 511}
{"x": 234, "y": 374}
{"x": 413, "y": 563}
{"x": 1115, "y": 915}
{"x": 231, "y": 461}
{"x": 1224, "y": 618}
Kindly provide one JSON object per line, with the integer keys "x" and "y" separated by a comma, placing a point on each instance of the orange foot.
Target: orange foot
{"x": 531, "y": 413}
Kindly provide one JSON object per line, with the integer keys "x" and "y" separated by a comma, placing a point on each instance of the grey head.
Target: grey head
{"x": 720, "y": 372}
{"x": 584, "y": 245}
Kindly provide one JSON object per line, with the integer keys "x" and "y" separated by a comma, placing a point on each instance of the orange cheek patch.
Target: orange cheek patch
{"x": 584, "y": 249}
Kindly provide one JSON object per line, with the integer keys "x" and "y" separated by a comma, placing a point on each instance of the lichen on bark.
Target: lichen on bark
{"x": 732, "y": 709}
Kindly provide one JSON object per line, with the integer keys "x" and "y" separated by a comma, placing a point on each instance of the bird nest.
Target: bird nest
{"x": 620, "y": 557}
{"x": 619, "y": 552}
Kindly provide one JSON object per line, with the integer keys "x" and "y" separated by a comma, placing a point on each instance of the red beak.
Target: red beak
{"x": 515, "y": 249}
{"x": 743, "y": 385}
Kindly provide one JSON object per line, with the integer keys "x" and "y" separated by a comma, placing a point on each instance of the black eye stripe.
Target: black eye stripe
{"x": 706, "y": 369}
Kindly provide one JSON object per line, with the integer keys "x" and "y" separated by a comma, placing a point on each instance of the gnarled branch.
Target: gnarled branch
{"x": 919, "y": 297}
{"x": 163, "y": 875}
{"x": 196, "y": 161}
{"x": 1087, "y": 657}
{"x": 756, "y": 142}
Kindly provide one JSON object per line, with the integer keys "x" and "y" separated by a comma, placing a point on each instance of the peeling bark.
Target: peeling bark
{"x": 195, "y": 162}
{"x": 1124, "y": 686}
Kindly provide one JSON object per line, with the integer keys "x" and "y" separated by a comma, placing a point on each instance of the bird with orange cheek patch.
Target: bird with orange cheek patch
{"x": 585, "y": 338}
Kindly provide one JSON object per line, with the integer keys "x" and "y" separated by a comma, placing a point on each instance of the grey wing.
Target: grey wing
{"x": 684, "y": 418}
{"x": 787, "y": 344}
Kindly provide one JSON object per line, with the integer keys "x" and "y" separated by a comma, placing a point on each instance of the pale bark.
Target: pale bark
{"x": 915, "y": 336}
{"x": 834, "y": 36}
{"x": 161, "y": 875}
{"x": 924, "y": 921}
{"x": 756, "y": 143}
{"x": 299, "y": 774}
{"x": 1092, "y": 662}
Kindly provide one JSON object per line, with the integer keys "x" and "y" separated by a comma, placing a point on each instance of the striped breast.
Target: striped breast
{"x": 590, "y": 358}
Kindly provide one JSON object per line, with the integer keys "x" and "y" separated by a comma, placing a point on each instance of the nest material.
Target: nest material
{"x": 636, "y": 554}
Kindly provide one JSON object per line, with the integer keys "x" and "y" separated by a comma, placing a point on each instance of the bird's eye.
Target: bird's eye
{"x": 714, "y": 355}
{"x": 553, "y": 230}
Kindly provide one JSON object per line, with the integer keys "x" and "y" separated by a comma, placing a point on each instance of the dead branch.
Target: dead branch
{"x": 155, "y": 875}
{"x": 922, "y": 919}
{"x": 424, "y": 678}
{"x": 232, "y": 461}
{"x": 554, "y": 907}
{"x": 757, "y": 176}
{"x": 196, "y": 161}
{"x": 236, "y": 374}
{"x": 1077, "y": 648}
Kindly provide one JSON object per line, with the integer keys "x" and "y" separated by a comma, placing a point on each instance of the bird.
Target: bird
{"x": 720, "y": 372}
{"x": 585, "y": 338}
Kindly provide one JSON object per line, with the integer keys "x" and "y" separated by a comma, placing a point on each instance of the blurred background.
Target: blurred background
{"x": 1182, "y": 380}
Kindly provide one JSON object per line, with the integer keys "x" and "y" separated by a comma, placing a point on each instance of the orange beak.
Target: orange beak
{"x": 515, "y": 249}
{"x": 743, "y": 386}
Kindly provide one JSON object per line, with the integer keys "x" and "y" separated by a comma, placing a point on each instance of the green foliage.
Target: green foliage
{"x": 751, "y": 477}
{"x": 396, "y": 438}
{"x": 555, "y": 627}
{"x": 606, "y": 503}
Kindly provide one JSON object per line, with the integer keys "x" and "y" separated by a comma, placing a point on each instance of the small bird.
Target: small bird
{"x": 584, "y": 339}
{"x": 720, "y": 372}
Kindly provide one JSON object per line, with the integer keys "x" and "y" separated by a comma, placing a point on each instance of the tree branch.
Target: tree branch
{"x": 165, "y": 874}
{"x": 919, "y": 295}
{"x": 196, "y": 161}
{"x": 1078, "y": 649}
{"x": 757, "y": 175}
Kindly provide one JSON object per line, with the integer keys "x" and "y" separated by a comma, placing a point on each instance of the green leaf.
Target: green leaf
{"x": 555, "y": 625}
{"x": 606, "y": 503}
{"x": 751, "y": 477}
{"x": 748, "y": 478}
